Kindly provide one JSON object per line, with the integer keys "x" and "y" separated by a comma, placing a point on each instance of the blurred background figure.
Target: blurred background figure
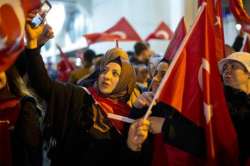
{"x": 51, "y": 69}
{"x": 87, "y": 66}
{"x": 142, "y": 53}
{"x": 142, "y": 76}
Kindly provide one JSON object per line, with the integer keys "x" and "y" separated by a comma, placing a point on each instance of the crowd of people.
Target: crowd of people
{"x": 71, "y": 119}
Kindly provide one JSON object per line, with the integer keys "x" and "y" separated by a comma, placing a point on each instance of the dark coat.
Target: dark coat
{"x": 239, "y": 107}
{"x": 23, "y": 145}
{"x": 69, "y": 122}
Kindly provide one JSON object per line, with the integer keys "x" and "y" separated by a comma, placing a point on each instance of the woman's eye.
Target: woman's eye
{"x": 116, "y": 74}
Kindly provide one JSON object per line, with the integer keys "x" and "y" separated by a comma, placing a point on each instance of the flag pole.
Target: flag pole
{"x": 116, "y": 44}
{"x": 176, "y": 57}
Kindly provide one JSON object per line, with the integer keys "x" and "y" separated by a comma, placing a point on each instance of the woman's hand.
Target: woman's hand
{"x": 156, "y": 124}
{"x": 138, "y": 133}
{"x": 39, "y": 35}
{"x": 144, "y": 99}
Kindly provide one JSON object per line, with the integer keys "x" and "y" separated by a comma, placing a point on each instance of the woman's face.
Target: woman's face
{"x": 159, "y": 74}
{"x": 234, "y": 74}
{"x": 109, "y": 78}
{"x": 3, "y": 80}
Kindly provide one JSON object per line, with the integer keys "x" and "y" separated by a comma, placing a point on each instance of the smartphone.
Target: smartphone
{"x": 43, "y": 10}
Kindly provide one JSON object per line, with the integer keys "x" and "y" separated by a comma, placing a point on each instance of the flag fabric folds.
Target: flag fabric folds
{"x": 12, "y": 16}
{"x": 162, "y": 32}
{"x": 193, "y": 87}
{"x": 174, "y": 44}
{"x": 64, "y": 67}
{"x": 121, "y": 31}
{"x": 241, "y": 15}
{"x": 246, "y": 44}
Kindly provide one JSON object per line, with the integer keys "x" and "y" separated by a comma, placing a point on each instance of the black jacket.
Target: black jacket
{"x": 69, "y": 122}
{"x": 239, "y": 107}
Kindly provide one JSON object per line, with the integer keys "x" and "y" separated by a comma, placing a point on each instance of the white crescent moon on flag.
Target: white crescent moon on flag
{"x": 17, "y": 8}
{"x": 207, "y": 108}
{"x": 120, "y": 33}
{"x": 163, "y": 34}
{"x": 206, "y": 66}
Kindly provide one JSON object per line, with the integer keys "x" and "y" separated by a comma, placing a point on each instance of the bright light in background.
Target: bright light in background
{"x": 56, "y": 17}
{"x": 238, "y": 27}
{"x": 78, "y": 62}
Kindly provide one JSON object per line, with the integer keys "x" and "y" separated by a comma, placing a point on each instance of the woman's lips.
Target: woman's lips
{"x": 105, "y": 84}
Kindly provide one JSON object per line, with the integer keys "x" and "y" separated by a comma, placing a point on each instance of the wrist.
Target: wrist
{"x": 32, "y": 44}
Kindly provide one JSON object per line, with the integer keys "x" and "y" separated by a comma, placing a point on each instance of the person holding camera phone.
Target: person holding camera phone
{"x": 76, "y": 120}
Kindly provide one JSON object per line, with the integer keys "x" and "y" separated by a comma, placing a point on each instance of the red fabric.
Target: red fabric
{"x": 64, "y": 67}
{"x": 160, "y": 156}
{"x": 174, "y": 44}
{"x": 111, "y": 106}
{"x": 246, "y": 45}
{"x": 9, "y": 112}
{"x": 246, "y": 27}
{"x": 162, "y": 32}
{"x": 122, "y": 31}
{"x": 215, "y": 16}
{"x": 29, "y": 5}
{"x": 248, "y": 162}
{"x": 195, "y": 89}
{"x": 237, "y": 8}
{"x": 11, "y": 32}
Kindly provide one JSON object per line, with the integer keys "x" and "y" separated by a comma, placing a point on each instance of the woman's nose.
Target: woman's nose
{"x": 107, "y": 75}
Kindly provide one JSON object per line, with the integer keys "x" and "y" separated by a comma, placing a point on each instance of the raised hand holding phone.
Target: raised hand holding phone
{"x": 41, "y": 14}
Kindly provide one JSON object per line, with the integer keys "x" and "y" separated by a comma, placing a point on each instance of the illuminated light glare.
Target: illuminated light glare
{"x": 78, "y": 62}
{"x": 56, "y": 17}
{"x": 238, "y": 27}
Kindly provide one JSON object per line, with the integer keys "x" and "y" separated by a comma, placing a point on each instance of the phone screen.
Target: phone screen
{"x": 38, "y": 19}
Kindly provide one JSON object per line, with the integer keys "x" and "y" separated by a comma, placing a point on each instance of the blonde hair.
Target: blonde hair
{"x": 16, "y": 83}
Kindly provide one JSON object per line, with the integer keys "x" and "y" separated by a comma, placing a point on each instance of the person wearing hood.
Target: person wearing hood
{"x": 77, "y": 124}
{"x": 235, "y": 71}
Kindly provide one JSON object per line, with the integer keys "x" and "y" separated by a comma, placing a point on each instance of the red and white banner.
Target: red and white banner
{"x": 121, "y": 31}
{"x": 193, "y": 86}
{"x": 162, "y": 32}
{"x": 178, "y": 36}
{"x": 12, "y": 22}
{"x": 64, "y": 67}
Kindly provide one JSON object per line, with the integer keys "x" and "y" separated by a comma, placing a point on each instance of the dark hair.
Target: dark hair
{"x": 89, "y": 55}
{"x": 116, "y": 60}
{"x": 139, "y": 47}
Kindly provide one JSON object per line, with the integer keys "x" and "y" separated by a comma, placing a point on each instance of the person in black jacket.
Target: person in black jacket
{"x": 77, "y": 123}
{"x": 235, "y": 70}
{"x": 20, "y": 132}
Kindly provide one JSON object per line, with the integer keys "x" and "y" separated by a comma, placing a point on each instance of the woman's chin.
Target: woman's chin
{"x": 105, "y": 91}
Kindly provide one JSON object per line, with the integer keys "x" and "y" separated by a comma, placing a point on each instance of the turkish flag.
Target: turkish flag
{"x": 193, "y": 87}
{"x": 237, "y": 8}
{"x": 122, "y": 31}
{"x": 64, "y": 67}
{"x": 241, "y": 15}
{"x": 215, "y": 16}
{"x": 12, "y": 22}
{"x": 162, "y": 32}
{"x": 174, "y": 44}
